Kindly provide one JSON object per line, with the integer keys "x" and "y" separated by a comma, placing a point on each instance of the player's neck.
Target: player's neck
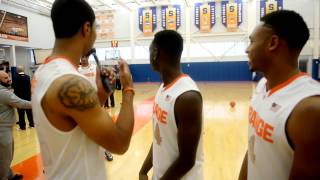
{"x": 170, "y": 75}
{"x": 63, "y": 48}
{"x": 280, "y": 75}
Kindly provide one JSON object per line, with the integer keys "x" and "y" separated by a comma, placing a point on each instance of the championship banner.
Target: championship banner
{"x": 105, "y": 26}
{"x": 13, "y": 26}
{"x": 231, "y": 14}
{"x": 171, "y": 17}
{"x": 147, "y": 20}
{"x": 269, "y": 6}
{"x": 205, "y": 16}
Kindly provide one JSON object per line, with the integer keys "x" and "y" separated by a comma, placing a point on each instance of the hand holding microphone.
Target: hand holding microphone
{"x": 106, "y": 76}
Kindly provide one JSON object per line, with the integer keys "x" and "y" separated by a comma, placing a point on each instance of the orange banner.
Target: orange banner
{"x": 205, "y": 18}
{"x": 171, "y": 18}
{"x": 147, "y": 22}
{"x": 232, "y": 17}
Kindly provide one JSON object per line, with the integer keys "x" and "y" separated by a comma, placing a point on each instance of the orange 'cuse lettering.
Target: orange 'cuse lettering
{"x": 160, "y": 114}
{"x": 263, "y": 129}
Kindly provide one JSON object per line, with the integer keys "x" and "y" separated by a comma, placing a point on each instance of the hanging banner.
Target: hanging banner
{"x": 105, "y": 24}
{"x": 205, "y": 16}
{"x": 13, "y": 26}
{"x": 231, "y": 12}
{"x": 269, "y": 6}
{"x": 147, "y": 20}
{"x": 171, "y": 17}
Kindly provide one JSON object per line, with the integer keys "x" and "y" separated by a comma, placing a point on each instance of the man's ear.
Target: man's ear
{"x": 273, "y": 42}
{"x": 86, "y": 29}
{"x": 155, "y": 54}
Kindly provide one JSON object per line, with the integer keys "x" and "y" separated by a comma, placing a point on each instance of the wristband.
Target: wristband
{"x": 129, "y": 89}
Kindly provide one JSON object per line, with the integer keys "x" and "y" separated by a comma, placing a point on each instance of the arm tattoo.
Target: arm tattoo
{"x": 78, "y": 94}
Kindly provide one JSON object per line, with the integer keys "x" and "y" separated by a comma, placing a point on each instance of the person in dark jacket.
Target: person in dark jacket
{"x": 22, "y": 88}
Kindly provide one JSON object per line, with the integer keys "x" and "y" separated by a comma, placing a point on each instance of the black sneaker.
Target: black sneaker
{"x": 16, "y": 177}
{"x": 108, "y": 156}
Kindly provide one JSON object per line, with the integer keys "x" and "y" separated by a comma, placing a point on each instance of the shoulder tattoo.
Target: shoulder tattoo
{"x": 77, "y": 93}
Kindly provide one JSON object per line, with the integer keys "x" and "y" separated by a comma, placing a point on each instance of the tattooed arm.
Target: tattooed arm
{"x": 71, "y": 100}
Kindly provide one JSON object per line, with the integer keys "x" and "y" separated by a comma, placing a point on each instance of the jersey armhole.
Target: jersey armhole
{"x": 289, "y": 141}
{"x": 174, "y": 106}
{"x": 56, "y": 129}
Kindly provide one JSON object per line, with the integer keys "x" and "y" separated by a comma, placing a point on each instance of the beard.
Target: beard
{"x": 5, "y": 84}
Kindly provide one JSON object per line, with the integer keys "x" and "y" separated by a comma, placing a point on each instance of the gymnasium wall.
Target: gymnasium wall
{"x": 215, "y": 46}
{"x": 201, "y": 71}
{"x": 40, "y": 30}
{"x": 7, "y": 56}
{"x": 23, "y": 57}
{"x": 206, "y": 61}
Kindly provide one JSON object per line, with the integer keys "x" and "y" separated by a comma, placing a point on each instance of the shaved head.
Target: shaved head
{"x": 5, "y": 79}
{"x": 20, "y": 69}
{"x": 2, "y": 74}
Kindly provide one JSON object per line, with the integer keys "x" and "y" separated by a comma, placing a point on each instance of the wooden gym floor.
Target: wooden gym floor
{"x": 225, "y": 134}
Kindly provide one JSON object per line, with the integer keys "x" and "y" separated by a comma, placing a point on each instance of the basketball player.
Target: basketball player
{"x": 176, "y": 152}
{"x": 70, "y": 122}
{"x": 284, "y": 117}
{"x": 89, "y": 70}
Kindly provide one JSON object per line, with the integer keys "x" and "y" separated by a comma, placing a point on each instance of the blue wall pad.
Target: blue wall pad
{"x": 202, "y": 71}
{"x": 315, "y": 69}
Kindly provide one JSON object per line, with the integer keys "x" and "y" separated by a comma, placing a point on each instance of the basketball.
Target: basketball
{"x": 232, "y": 104}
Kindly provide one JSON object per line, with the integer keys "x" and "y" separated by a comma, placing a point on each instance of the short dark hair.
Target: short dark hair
{"x": 170, "y": 42}
{"x": 69, "y": 15}
{"x": 289, "y": 26}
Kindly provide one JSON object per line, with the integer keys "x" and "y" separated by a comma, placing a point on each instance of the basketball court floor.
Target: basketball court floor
{"x": 225, "y": 134}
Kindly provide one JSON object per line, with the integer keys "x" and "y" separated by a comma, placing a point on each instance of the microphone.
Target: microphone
{"x": 92, "y": 51}
{"x": 105, "y": 80}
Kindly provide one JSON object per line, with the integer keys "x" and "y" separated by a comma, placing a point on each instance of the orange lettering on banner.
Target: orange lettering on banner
{"x": 160, "y": 114}
{"x": 263, "y": 129}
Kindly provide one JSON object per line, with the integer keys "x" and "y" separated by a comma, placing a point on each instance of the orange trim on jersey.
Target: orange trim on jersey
{"x": 286, "y": 83}
{"x": 33, "y": 84}
{"x": 174, "y": 81}
{"x": 89, "y": 74}
{"x": 52, "y": 58}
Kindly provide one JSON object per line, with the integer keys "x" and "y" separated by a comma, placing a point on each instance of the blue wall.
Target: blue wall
{"x": 315, "y": 69}
{"x": 202, "y": 71}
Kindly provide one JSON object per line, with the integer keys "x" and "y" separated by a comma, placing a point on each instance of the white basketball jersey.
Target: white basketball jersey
{"x": 89, "y": 72}
{"x": 165, "y": 142}
{"x": 269, "y": 154}
{"x": 65, "y": 155}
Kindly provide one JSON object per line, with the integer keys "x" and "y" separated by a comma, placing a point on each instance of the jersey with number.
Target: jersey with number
{"x": 66, "y": 155}
{"x": 165, "y": 142}
{"x": 270, "y": 155}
